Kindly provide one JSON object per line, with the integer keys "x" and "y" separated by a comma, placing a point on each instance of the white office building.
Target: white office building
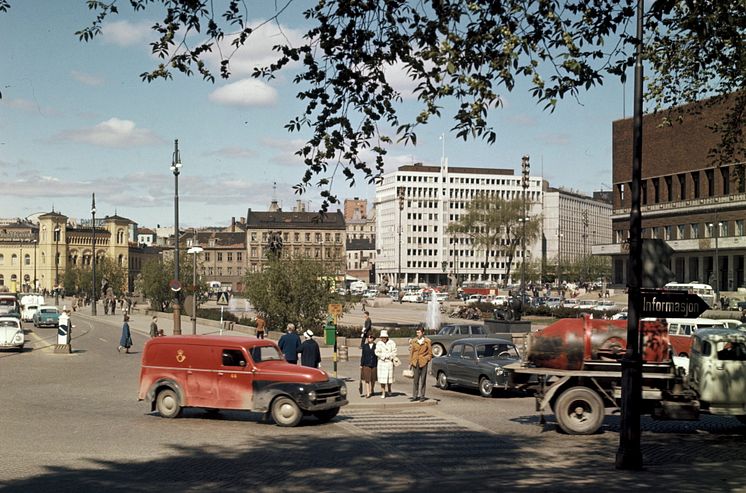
{"x": 411, "y": 232}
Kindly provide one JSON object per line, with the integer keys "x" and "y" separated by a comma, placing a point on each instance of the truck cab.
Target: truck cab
{"x": 227, "y": 372}
{"x": 717, "y": 369}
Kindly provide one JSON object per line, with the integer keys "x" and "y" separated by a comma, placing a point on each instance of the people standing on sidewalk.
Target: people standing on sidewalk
{"x": 261, "y": 324}
{"x": 386, "y": 352}
{"x": 368, "y": 364}
{"x": 310, "y": 354}
{"x": 154, "y": 327}
{"x": 367, "y": 326}
{"x": 290, "y": 345}
{"x": 125, "y": 341}
{"x": 420, "y": 354}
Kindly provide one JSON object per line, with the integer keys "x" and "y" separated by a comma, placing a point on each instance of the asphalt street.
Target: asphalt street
{"x": 73, "y": 423}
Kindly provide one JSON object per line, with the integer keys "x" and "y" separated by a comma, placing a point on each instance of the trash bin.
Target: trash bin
{"x": 330, "y": 334}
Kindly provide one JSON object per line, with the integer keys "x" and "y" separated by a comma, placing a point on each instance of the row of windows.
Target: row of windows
{"x": 228, "y": 255}
{"x": 212, "y": 271}
{"x": 688, "y": 231}
{"x": 329, "y": 252}
{"x": 297, "y": 236}
{"x": 465, "y": 180}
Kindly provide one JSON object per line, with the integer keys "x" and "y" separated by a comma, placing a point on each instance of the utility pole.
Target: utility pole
{"x": 176, "y": 169}
{"x": 525, "y": 169}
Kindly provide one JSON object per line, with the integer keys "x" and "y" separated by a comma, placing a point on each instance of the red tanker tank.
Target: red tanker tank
{"x": 569, "y": 342}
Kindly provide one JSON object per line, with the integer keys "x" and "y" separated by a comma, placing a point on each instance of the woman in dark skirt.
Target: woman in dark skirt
{"x": 125, "y": 342}
{"x": 368, "y": 364}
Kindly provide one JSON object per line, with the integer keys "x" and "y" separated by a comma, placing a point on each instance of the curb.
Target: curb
{"x": 392, "y": 405}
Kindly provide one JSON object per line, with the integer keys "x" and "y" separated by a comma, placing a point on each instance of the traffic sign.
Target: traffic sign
{"x": 335, "y": 309}
{"x": 175, "y": 285}
{"x": 663, "y": 303}
{"x": 222, "y": 298}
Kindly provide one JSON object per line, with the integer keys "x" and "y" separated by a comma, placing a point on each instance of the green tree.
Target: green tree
{"x": 494, "y": 225}
{"x": 155, "y": 276}
{"x": 462, "y": 55}
{"x": 79, "y": 279}
{"x": 292, "y": 290}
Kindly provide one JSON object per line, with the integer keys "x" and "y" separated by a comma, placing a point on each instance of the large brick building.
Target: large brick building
{"x": 697, "y": 206}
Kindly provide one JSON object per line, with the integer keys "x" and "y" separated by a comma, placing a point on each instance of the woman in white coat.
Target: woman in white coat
{"x": 386, "y": 352}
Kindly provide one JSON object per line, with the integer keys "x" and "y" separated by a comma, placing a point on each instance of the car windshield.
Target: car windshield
{"x": 8, "y": 323}
{"x": 261, "y": 354}
{"x": 497, "y": 351}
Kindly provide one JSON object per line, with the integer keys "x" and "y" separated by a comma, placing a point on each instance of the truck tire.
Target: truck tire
{"x": 579, "y": 411}
{"x": 326, "y": 414}
{"x": 167, "y": 404}
{"x": 286, "y": 412}
{"x": 438, "y": 350}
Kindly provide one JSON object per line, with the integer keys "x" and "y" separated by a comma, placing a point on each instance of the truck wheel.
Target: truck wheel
{"x": 579, "y": 411}
{"x": 327, "y": 414}
{"x": 438, "y": 350}
{"x": 485, "y": 387}
{"x": 286, "y": 412}
{"x": 167, "y": 404}
{"x": 443, "y": 380}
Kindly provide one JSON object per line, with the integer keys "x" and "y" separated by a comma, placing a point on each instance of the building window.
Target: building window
{"x": 695, "y": 183}
{"x": 723, "y": 228}
{"x": 693, "y": 231}
{"x": 220, "y": 256}
{"x": 682, "y": 186}
{"x": 308, "y": 236}
{"x": 296, "y": 236}
{"x": 230, "y": 256}
{"x": 644, "y": 192}
{"x": 318, "y": 237}
{"x": 13, "y": 259}
{"x": 667, "y": 233}
{"x": 239, "y": 256}
{"x": 656, "y": 190}
{"x": 669, "y": 188}
{"x": 739, "y": 227}
{"x": 725, "y": 175}
{"x": 253, "y": 236}
{"x": 207, "y": 256}
{"x": 710, "y": 175}
{"x": 253, "y": 251}
{"x": 680, "y": 232}
{"x": 709, "y": 230}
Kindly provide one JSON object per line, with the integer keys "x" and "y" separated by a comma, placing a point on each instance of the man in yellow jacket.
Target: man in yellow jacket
{"x": 420, "y": 354}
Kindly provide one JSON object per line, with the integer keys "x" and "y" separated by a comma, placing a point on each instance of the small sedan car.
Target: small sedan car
{"x": 475, "y": 363}
{"x": 412, "y": 298}
{"x": 46, "y": 316}
{"x": 11, "y": 333}
{"x": 451, "y": 332}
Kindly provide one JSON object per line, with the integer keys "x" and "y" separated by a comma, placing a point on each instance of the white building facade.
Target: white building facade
{"x": 411, "y": 233}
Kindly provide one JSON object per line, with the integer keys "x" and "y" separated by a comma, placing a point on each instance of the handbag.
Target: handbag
{"x": 408, "y": 373}
{"x": 397, "y": 361}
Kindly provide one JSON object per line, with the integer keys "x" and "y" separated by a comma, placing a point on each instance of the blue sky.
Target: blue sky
{"x": 76, "y": 119}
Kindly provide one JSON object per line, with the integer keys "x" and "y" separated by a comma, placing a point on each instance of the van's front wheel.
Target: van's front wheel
{"x": 167, "y": 404}
{"x": 286, "y": 412}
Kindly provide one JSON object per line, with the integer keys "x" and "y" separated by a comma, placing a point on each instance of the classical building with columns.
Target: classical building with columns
{"x": 695, "y": 205}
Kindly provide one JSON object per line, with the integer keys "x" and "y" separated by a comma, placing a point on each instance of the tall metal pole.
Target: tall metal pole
{"x": 401, "y": 208}
{"x": 21, "y": 267}
{"x": 559, "y": 260}
{"x": 57, "y": 264}
{"x": 525, "y": 167}
{"x": 195, "y": 250}
{"x": 585, "y": 245}
{"x": 629, "y": 455}
{"x": 717, "y": 261}
{"x": 93, "y": 256}
{"x": 36, "y": 242}
{"x": 176, "y": 168}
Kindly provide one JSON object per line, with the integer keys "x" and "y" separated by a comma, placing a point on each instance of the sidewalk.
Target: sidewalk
{"x": 349, "y": 371}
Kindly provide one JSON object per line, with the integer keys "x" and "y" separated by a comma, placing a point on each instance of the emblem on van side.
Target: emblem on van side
{"x": 180, "y": 357}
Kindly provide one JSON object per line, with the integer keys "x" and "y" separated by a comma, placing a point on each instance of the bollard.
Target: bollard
{"x": 343, "y": 354}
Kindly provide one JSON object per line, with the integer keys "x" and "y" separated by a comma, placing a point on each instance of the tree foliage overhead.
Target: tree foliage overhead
{"x": 465, "y": 52}
{"x": 79, "y": 280}
{"x": 495, "y": 225}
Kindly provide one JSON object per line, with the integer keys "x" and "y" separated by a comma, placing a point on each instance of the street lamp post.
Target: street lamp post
{"x": 35, "y": 242}
{"x": 716, "y": 267}
{"x": 559, "y": 261}
{"x": 585, "y": 245}
{"x": 57, "y": 264}
{"x": 93, "y": 256}
{"x": 194, "y": 250}
{"x": 401, "y": 208}
{"x": 525, "y": 168}
{"x": 20, "y": 278}
{"x": 176, "y": 169}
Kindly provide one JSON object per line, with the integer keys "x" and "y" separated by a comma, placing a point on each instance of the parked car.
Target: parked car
{"x": 235, "y": 372}
{"x": 605, "y": 306}
{"x": 553, "y": 302}
{"x": 440, "y": 297}
{"x": 475, "y": 363}
{"x": 9, "y": 306}
{"x": 370, "y": 294}
{"x": 475, "y": 298}
{"x": 449, "y": 333}
{"x": 46, "y": 316}
{"x": 500, "y": 300}
{"x": 11, "y": 333}
{"x": 412, "y": 298}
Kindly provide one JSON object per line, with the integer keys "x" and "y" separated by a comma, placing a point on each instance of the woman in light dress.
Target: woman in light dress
{"x": 386, "y": 352}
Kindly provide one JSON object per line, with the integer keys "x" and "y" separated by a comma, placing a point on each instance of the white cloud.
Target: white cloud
{"x": 246, "y": 93}
{"x": 397, "y": 76}
{"x": 30, "y": 106}
{"x": 125, "y": 33}
{"x": 87, "y": 79}
{"x": 233, "y": 153}
{"x": 113, "y": 132}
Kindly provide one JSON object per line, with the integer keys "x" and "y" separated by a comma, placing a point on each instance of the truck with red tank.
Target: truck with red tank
{"x": 578, "y": 366}
{"x": 233, "y": 372}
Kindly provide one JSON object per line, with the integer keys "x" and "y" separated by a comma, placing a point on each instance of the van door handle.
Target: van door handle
{"x": 189, "y": 372}
{"x": 221, "y": 373}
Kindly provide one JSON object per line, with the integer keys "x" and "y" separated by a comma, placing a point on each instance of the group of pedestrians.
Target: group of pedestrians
{"x": 379, "y": 360}
{"x": 291, "y": 346}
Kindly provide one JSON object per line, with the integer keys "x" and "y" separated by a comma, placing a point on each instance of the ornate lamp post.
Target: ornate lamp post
{"x": 56, "y": 264}
{"x": 93, "y": 256}
{"x": 176, "y": 169}
{"x": 401, "y": 208}
{"x": 35, "y": 242}
{"x": 525, "y": 168}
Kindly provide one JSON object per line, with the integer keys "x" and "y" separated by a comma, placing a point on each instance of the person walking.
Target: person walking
{"x": 154, "y": 327}
{"x": 367, "y": 326}
{"x": 386, "y": 352}
{"x": 125, "y": 341}
{"x": 310, "y": 354}
{"x": 261, "y": 324}
{"x": 368, "y": 364}
{"x": 290, "y": 345}
{"x": 420, "y": 354}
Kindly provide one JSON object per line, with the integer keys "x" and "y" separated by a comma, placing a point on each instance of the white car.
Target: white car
{"x": 605, "y": 305}
{"x": 441, "y": 297}
{"x": 412, "y": 298}
{"x": 500, "y": 300}
{"x": 27, "y": 312}
{"x": 475, "y": 298}
{"x": 585, "y": 305}
{"x": 11, "y": 333}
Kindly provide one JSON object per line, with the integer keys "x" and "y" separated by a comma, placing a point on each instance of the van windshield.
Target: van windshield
{"x": 265, "y": 353}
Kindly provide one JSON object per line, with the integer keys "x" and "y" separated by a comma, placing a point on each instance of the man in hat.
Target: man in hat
{"x": 310, "y": 355}
{"x": 290, "y": 345}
